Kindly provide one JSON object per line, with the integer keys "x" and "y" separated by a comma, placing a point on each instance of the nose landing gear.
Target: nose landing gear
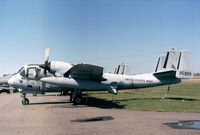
{"x": 25, "y": 100}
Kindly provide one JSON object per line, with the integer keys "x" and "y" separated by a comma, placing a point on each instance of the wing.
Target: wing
{"x": 86, "y": 72}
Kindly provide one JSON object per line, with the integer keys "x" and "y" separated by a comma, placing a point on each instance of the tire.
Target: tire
{"x": 65, "y": 93}
{"x": 7, "y": 91}
{"x": 15, "y": 90}
{"x": 77, "y": 100}
{"x": 25, "y": 101}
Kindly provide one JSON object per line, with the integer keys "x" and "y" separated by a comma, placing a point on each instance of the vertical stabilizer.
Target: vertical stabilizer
{"x": 123, "y": 69}
{"x": 160, "y": 63}
{"x": 184, "y": 70}
{"x": 168, "y": 62}
{"x": 172, "y": 59}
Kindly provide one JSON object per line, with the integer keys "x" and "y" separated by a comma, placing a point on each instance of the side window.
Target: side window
{"x": 38, "y": 73}
{"x": 31, "y": 73}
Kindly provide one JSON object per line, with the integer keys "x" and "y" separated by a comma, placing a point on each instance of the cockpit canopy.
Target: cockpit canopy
{"x": 33, "y": 72}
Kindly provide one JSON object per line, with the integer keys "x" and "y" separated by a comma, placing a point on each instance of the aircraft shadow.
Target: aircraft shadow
{"x": 102, "y": 103}
{"x": 87, "y": 102}
{"x": 181, "y": 98}
{"x": 158, "y": 98}
{"x": 48, "y": 103}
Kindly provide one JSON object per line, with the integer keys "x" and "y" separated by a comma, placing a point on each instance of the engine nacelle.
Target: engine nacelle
{"x": 59, "y": 68}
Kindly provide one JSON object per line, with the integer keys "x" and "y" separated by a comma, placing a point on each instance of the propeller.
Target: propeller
{"x": 46, "y": 54}
{"x": 47, "y": 63}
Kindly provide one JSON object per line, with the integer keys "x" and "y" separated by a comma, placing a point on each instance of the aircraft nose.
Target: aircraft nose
{"x": 11, "y": 81}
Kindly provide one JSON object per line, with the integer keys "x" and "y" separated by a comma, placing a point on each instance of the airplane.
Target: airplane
{"x": 4, "y": 86}
{"x": 27, "y": 80}
{"x": 86, "y": 77}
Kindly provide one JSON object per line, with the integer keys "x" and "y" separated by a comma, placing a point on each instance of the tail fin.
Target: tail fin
{"x": 171, "y": 61}
{"x": 184, "y": 70}
{"x": 123, "y": 69}
{"x": 177, "y": 61}
{"x": 160, "y": 63}
{"x": 168, "y": 62}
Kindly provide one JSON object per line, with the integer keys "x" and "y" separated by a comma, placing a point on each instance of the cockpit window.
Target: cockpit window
{"x": 33, "y": 73}
{"x": 20, "y": 70}
{"x": 23, "y": 72}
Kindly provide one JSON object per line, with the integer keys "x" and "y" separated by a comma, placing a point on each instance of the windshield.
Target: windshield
{"x": 20, "y": 70}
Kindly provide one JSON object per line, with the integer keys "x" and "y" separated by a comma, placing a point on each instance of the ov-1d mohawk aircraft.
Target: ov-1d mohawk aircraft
{"x": 85, "y": 77}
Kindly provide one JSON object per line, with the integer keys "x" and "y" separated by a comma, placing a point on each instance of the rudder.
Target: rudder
{"x": 184, "y": 69}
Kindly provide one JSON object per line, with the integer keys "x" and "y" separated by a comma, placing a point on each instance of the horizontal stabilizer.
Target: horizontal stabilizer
{"x": 167, "y": 77}
{"x": 165, "y": 74}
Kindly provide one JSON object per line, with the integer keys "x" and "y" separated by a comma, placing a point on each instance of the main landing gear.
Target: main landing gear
{"x": 25, "y": 100}
{"x": 76, "y": 97}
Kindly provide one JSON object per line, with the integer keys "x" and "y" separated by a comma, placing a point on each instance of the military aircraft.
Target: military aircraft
{"x": 4, "y": 86}
{"x": 28, "y": 82}
{"x": 27, "y": 79}
{"x": 86, "y": 77}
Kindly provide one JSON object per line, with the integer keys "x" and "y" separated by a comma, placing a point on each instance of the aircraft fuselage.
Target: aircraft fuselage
{"x": 116, "y": 80}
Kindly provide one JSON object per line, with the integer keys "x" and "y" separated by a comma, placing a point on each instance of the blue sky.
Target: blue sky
{"x": 102, "y": 32}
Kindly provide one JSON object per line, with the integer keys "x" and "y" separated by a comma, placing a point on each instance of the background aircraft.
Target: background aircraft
{"x": 4, "y": 86}
{"x": 86, "y": 77}
{"x": 123, "y": 69}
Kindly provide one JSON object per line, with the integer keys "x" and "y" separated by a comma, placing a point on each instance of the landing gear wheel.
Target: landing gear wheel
{"x": 7, "y": 91}
{"x": 15, "y": 90}
{"x": 25, "y": 101}
{"x": 65, "y": 93}
{"x": 77, "y": 100}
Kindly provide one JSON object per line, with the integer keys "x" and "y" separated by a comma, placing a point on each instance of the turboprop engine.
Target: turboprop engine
{"x": 57, "y": 68}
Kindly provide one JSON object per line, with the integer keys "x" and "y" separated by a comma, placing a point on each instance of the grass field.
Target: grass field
{"x": 184, "y": 97}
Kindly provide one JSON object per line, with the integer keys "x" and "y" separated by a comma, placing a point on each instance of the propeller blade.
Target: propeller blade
{"x": 46, "y": 65}
{"x": 46, "y": 54}
{"x": 42, "y": 66}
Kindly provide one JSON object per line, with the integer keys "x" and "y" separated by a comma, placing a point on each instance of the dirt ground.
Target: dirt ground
{"x": 54, "y": 115}
{"x": 194, "y": 80}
